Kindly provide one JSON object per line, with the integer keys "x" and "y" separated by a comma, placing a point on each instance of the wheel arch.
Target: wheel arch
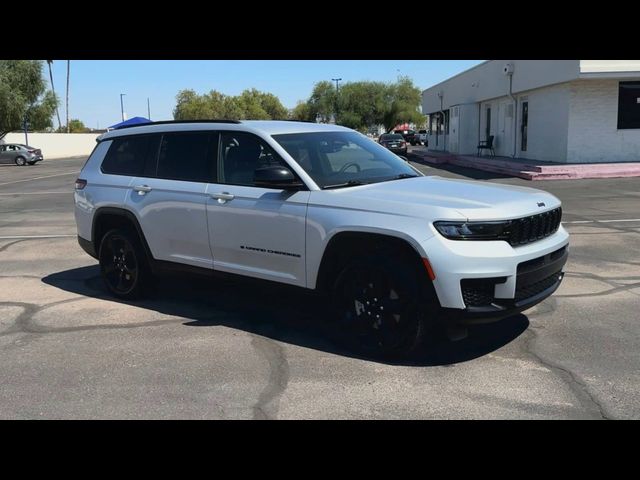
{"x": 107, "y": 218}
{"x": 343, "y": 245}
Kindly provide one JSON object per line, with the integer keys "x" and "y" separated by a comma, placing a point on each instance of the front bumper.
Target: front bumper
{"x": 506, "y": 279}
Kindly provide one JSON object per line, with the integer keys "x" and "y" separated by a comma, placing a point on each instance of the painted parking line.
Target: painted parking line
{"x": 40, "y": 178}
{"x": 35, "y": 193}
{"x": 18, "y": 237}
{"x": 576, "y": 222}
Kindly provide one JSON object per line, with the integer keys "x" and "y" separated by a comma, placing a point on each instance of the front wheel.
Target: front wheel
{"x": 123, "y": 264}
{"x": 379, "y": 305}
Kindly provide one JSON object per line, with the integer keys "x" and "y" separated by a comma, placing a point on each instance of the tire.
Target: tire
{"x": 382, "y": 305}
{"x": 123, "y": 264}
{"x": 31, "y": 163}
{"x": 20, "y": 161}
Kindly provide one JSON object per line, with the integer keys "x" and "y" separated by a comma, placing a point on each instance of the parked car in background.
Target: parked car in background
{"x": 394, "y": 142}
{"x": 408, "y": 135}
{"x": 19, "y": 154}
{"x": 421, "y": 136}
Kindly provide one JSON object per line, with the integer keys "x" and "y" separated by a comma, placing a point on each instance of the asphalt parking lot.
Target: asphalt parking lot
{"x": 223, "y": 349}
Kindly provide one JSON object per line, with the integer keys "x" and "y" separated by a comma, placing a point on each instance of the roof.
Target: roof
{"x": 269, "y": 127}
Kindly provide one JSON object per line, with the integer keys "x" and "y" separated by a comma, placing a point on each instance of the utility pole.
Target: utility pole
{"x": 337, "y": 95}
{"x": 122, "y": 105}
{"x": 148, "y": 109}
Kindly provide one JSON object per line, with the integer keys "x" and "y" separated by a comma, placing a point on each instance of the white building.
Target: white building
{"x": 571, "y": 111}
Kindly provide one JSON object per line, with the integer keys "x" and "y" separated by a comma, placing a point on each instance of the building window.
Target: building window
{"x": 629, "y": 105}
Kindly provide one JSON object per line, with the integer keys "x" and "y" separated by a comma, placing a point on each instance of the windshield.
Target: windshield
{"x": 337, "y": 158}
{"x": 391, "y": 137}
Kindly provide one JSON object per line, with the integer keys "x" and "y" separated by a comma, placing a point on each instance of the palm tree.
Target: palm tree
{"x": 50, "y": 63}
{"x": 67, "y": 107}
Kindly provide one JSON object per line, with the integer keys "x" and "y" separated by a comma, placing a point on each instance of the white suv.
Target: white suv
{"x": 320, "y": 207}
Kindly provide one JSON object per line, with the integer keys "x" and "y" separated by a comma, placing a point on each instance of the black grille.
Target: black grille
{"x": 533, "y": 228}
{"x": 526, "y": 291}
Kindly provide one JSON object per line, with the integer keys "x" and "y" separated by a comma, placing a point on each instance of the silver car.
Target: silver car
{"x": 19, "y": 154}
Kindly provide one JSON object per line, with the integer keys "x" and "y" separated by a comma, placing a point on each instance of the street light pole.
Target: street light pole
{"x": 148, "y": 109}
{"x": 122, "y": 105}
{"x": 337, "y": 94}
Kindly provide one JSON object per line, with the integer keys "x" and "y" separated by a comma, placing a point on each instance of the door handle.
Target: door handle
{"x": 142, "y": 189}
{"x": 224, "y": 196}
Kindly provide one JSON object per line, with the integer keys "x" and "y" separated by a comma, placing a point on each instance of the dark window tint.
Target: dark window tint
{"x": 242, "y": 153}
{"x": 188, "y": 156}
{"x": 629, "y": 105}
{"x": 126, "y": 156}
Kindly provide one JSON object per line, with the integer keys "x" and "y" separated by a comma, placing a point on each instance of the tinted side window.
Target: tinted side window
{"x": 188, "y": 156}
{"x": 241, "y": 154}
{"x": 126, "y": 156}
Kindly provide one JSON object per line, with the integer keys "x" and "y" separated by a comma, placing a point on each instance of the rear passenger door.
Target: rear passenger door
{"x": 170, "y": 196}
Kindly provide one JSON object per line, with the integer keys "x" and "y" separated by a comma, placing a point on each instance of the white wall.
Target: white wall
{"x": 57, "y": 145}
{"x": 487, "y": 81}
{"x": 593, "y": 125}
{"x": 548, "y": 123}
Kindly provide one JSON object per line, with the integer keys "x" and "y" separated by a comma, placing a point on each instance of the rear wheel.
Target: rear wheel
{"x": 123, "y": 264}
{"x": 20, "y": 161}
{"x": 381, "y": 305}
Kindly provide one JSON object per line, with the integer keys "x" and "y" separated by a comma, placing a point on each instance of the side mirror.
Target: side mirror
{"x": 276, "y": 177}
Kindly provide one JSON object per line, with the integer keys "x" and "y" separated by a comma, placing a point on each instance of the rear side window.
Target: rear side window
{"x": 188, "y": 156}
{"x": 126, "y": 156}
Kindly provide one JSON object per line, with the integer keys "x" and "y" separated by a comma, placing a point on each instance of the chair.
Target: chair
{"x": 486, "y": 145}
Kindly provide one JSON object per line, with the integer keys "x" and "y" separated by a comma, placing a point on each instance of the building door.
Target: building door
{"x": 454, "y": 135}
{"x": 504, "y": 140}
{"x": 487, "y": 124}
{"x": 524, "y": 121}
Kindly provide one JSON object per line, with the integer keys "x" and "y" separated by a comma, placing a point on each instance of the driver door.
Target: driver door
{"x": 259, "y": 232}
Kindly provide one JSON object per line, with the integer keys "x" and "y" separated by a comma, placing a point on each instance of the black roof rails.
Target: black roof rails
{"x": 168, "y": 122}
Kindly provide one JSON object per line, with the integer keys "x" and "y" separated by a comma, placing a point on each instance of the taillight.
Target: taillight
{"x": 31, "y": 151}
{"x": 80, "y": 184}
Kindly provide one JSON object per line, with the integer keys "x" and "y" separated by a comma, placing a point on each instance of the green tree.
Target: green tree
{"x": 362, "y": 105}
{"x": 302, "y": 113}
{"x": 322, "y": 102}
{"x": 76, "y": 126}
{"x": 23, "y": 94}
{"x": 404, "y": 99}
{"x": 53, "y": 89}
{"x": 250, "y": 104}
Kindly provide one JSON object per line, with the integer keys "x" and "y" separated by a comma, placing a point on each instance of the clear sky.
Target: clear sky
{"x": 96, "y": 85}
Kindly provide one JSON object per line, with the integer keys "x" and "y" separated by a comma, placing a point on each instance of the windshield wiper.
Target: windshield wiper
{"x": 350, "y": 183}
{"x": 404, "y": 175}
{"x": 401, "y": 176}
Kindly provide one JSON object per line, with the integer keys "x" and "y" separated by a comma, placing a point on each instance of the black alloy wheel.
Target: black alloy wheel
{"x": 122, "y": 264}
{"x": 380, "y": 308}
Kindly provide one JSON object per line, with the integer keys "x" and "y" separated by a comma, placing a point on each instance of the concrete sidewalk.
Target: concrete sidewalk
{"x": 529, "y": 169}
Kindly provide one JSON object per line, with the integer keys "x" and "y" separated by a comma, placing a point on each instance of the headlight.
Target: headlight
{"x": 474, "y": 230}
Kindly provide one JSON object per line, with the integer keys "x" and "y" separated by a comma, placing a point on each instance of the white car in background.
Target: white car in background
{"x": 319, "y": 207}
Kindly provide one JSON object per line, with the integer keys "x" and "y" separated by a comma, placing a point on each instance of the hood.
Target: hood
{"x": 443, "y": 198}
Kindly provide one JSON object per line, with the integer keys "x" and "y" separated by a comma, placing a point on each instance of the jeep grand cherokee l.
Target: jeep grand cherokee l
{"x": 320, "y": 207}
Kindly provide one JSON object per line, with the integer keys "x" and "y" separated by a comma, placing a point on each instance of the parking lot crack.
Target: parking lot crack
{"x": 577, "y": 386}
{"x": 266, "y": 408}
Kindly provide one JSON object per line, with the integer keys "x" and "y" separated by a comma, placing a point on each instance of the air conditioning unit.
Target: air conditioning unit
{"x": 507, "y": 69}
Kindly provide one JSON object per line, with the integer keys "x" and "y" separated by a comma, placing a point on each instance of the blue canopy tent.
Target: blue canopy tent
{"x": 129, "y": 122}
